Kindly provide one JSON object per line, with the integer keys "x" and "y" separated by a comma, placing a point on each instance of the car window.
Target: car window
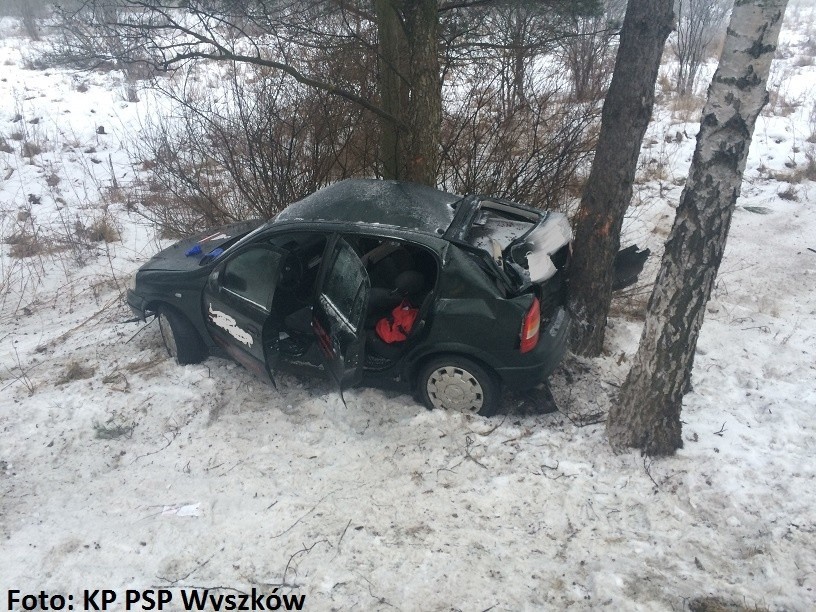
{"x": 345, "y": 286}
{"x": 252, "y": 275}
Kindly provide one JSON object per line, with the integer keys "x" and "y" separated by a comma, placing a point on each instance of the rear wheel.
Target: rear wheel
{"x": 180, "y": 337}
{"x": 459, "y": 384}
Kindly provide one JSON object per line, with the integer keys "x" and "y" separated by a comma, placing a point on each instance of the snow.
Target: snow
{"x": 119, "y": 469}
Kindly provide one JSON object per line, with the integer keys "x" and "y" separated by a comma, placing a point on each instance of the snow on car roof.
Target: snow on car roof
{"x": 394, "y": 203}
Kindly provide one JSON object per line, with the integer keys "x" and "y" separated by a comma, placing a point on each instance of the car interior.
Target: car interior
{"x": 398, "y": 271}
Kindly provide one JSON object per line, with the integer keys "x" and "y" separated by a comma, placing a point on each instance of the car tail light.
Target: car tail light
{"x": 530, "y": 327}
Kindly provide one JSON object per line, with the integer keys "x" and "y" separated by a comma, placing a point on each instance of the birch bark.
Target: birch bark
{"x": 647, "y": 414}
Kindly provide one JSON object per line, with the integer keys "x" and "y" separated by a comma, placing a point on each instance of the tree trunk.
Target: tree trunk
{"x": 425, "y": 97}
{"x": 626, "y": 114}
{"x": 647, "y": 414}
{"x": 410, "y": 88}
{"x": 391, "y": 64}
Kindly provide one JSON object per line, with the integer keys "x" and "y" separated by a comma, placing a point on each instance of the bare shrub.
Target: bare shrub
{"x": 532, "y": 154}
{"x": 29, "y": 12}
{"x": 5, "y": 147}
{"x": 29, "y": 241}
{"x": 277, "y": 143}
{"x": 85, "y": 37}
{"x": 589, "y": 53}
{"x": 698, "y": 24}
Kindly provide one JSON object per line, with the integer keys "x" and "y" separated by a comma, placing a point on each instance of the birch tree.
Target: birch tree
{"x": 647, "y": 415}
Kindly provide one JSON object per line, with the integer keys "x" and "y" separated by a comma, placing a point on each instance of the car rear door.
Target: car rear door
{"x": 339, "y": 313}
{"x": 237, "y": 303}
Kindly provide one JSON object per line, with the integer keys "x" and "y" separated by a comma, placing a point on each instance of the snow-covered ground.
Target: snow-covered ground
{"x": 120, "y": 470}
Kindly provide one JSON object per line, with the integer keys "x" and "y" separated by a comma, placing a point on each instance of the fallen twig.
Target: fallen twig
{"x": 305, "y": 549}
{"x": 188, "y": 574}
{"x": 313, "y": 508}
{"x": 342, "y": 535}
{"x": 468, "y": 444}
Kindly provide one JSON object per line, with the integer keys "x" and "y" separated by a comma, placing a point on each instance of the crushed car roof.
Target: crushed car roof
{"x": 376, "y": 202}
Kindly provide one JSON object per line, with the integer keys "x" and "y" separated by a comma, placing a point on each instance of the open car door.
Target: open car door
{"x": 339, "y": 313}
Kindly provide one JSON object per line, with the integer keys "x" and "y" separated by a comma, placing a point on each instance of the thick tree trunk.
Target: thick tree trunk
{"x": 391, "y": 66}
{"x": 626, "y": 114}
{"x": 647, "y": 414}
{"x": 425, "y": 98}
{"x": 410, "y": 88}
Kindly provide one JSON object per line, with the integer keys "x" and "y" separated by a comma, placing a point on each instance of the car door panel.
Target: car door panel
{"x": 339, "y": 313}
{"x": 237, "y": 307}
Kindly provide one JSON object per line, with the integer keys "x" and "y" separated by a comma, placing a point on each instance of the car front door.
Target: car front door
{"x": 237, "y": 303}
{"x": 339, "y": 313}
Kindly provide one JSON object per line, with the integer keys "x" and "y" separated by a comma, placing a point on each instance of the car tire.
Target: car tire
{"x": 459, "y": 384}
{"x": 180, "y": 338}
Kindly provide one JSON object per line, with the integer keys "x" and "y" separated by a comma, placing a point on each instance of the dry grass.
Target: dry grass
{"x": 102, "y": 229}
{"x": 75, "y": 371}
{"x": 653, "y": 170}
{"x": 779, "y": 105}
{"x": 790, "y": 194}
{"x": 665, "y": 85}
{"x": 687, "y": 108}
{"x": 799, "y": 173}
{"x": 30, "y": 149}
{"x": 631, "y": 304}
{"x": 111, "y": 431}
{"x": 718, "y": 604}
{"x": 26, "y": 244}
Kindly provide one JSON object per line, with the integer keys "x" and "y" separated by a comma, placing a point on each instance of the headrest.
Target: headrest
{"x": 409, "y": 282}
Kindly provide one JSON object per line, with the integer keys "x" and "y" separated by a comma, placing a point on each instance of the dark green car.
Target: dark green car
{"x": 485, "y": 279}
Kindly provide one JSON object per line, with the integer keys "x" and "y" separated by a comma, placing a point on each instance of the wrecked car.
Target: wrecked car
{"x": 481, "y": 282}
